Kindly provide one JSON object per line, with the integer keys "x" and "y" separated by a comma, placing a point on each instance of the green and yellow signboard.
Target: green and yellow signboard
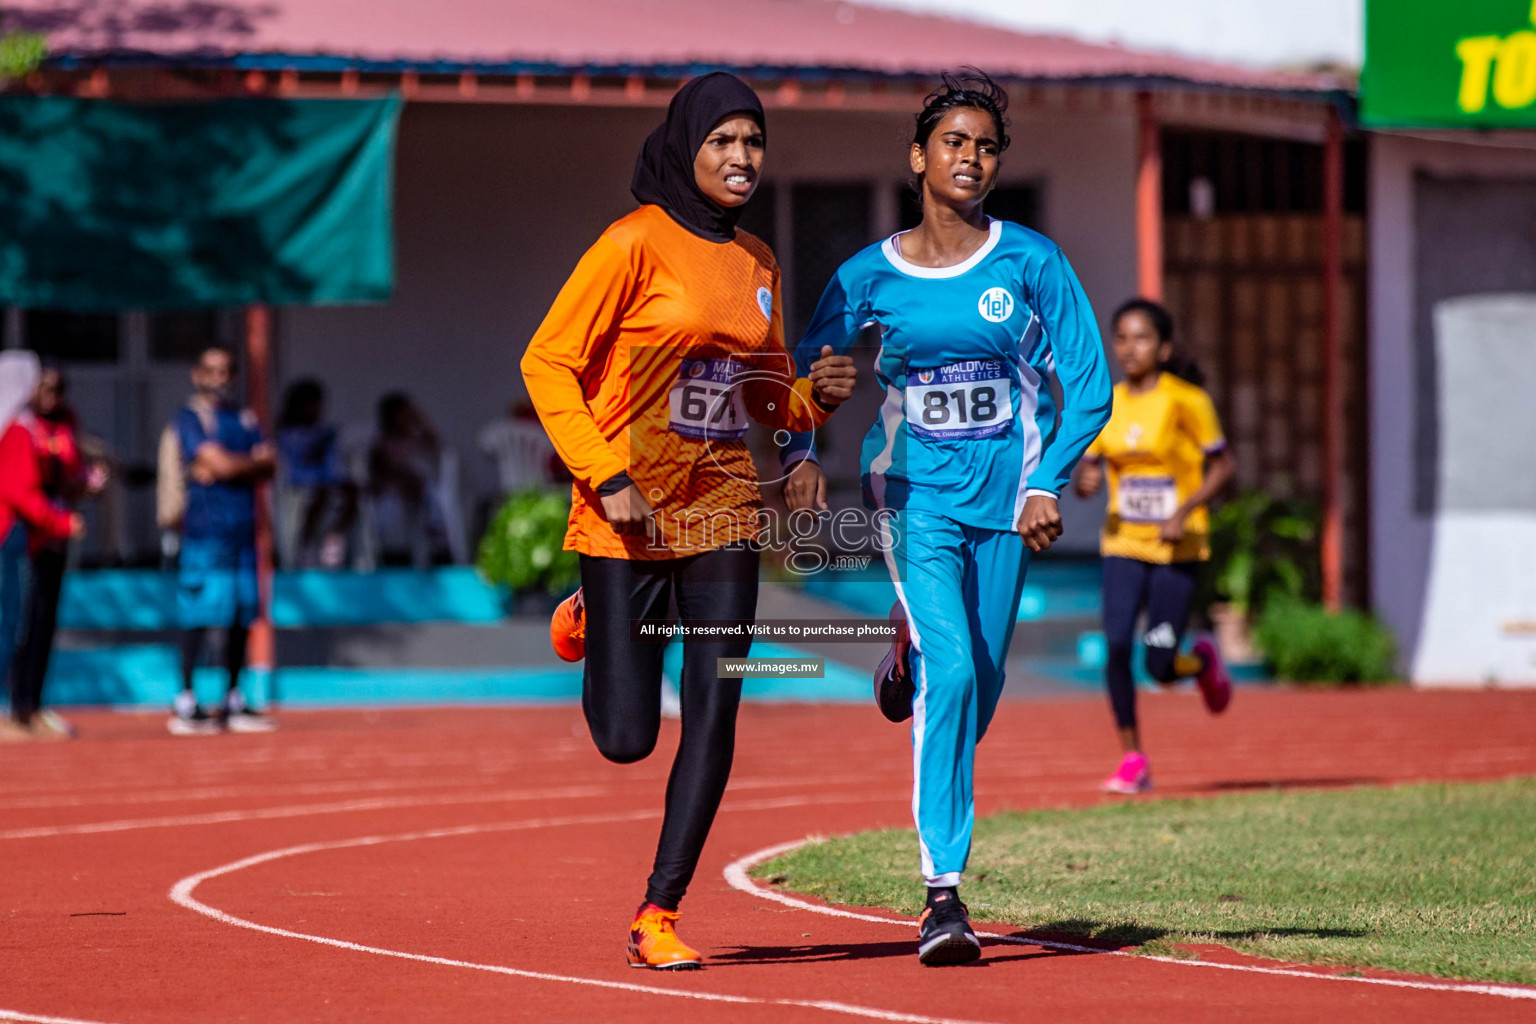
{"x": 1449, "y": 64}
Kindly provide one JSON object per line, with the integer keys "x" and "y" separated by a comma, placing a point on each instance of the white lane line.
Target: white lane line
{"x": 182, "y": 894}
{"x": 164, "y": 796}
{"x": 737, "y": 877}
{"x": 301, "y": 810}
{"x": 34, "y": 1018}
{"x": 83, "y": 797}
{"x": 366, "y": 804}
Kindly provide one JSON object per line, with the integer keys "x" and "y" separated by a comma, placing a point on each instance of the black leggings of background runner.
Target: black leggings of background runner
{"x": 1166, "y": 592}
{"x": 621, "y": 686}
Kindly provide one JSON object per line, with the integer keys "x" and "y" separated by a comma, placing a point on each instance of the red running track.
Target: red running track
{"x": 517, "y": 907}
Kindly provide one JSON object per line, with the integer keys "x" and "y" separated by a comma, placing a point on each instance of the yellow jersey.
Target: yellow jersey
{"x": 1153, "y": 451}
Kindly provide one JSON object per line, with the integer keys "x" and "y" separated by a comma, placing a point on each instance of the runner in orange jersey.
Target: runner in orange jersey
{"x": 665, "y": 340}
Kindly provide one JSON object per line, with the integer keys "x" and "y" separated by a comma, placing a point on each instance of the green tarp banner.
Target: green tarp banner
{"x": 110, "y": 206}
{"x": 1449, "y": 64}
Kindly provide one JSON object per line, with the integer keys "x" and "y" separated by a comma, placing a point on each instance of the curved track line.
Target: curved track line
{"x": 300, "y": 810}
{"x": 120, "y": 796}
{"x": 34, "y": 1018}
{"x": 736, "y": 876}
{"x": 181, "y": 894}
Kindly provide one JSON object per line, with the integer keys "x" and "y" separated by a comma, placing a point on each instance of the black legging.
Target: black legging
{"x": 621, "y": 687}
{"x": 41, "y": 621}
{"x": 1166, "y": 591}
{"x": 192, "y": 641}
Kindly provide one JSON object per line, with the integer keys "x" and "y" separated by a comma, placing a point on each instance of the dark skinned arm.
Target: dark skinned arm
{"x": 215, "y": 463}
{"x": 1219, "y": 470}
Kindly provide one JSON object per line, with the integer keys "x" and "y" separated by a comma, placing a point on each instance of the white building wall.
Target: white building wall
{"x": 495, "y": 204}
{"x": 1403, "y": 539}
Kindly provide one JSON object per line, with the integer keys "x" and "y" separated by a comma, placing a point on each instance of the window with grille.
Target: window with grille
{"x": 181, "y": 336}
{"x": 73, "y": 337}
{"x": 832, "y": 222}
{"x": 757, "y": 217}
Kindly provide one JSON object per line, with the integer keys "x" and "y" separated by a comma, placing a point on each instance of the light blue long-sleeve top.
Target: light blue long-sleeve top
{"x": 968, "y": 428}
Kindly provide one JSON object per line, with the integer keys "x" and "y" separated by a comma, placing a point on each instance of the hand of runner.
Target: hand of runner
{"x": 1089, "y": 479}
{"x": 628, "y": 513}
{"x": 806, "y": 486}
{"x": 76, "y": 526}
{"x": 97, "y": 476}
{"x": 1040, "y": 522}
{"x": 1173, "y": 528}
{"x": 833, "y": 378}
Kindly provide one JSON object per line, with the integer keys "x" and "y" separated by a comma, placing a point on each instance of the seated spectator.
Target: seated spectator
{"x": 404, "y": 466}
{"x": 521, "y": 451}
{"x": 310, "y": 462}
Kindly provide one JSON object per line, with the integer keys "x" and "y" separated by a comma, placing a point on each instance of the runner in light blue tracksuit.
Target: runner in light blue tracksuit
{"x": 967, "y": 434}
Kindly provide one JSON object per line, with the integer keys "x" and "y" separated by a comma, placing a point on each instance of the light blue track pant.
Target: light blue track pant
{"x": 960, "y": 587}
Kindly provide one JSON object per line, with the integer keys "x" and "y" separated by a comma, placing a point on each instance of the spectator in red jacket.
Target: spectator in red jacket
{"x": 24, "y": 507}
{"x": 65, "y": 477}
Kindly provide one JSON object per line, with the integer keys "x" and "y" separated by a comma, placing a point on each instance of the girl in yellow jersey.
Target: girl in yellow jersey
{"x": 1164, "y": 456}
{"x": 666, "y": 338}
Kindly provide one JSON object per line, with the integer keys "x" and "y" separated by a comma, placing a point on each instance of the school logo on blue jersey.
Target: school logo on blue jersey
{"x": 996, "y": 305}
{"x": 765, "y": 302}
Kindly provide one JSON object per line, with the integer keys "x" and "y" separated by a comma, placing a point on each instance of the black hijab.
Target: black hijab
{"x": 664, "y": 169}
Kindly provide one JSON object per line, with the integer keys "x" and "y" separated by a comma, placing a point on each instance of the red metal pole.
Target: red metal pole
{"x": 1333, "y": 405}
{"x": 1149, "y": 201}
{"x": 258, "y": 363}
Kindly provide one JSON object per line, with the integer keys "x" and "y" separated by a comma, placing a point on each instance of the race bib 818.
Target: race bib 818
{"x": 963, "y": 400}
{"x": 705, "y": 404}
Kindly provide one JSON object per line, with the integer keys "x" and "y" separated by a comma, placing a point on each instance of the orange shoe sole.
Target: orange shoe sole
{"x": 636, "y": 960}
{"x": 568, "y": 629}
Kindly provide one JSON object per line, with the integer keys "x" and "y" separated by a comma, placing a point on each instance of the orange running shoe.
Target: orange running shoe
{"x": 653, "y": 942}
{"x": 568, "y": 628}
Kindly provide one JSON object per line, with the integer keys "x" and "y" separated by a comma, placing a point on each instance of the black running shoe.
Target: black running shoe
{"x": 894, "y": 688}
{"x": 189, "y": 719}
{"x": 238, "y": 716}
{"x": 944, "y": 934}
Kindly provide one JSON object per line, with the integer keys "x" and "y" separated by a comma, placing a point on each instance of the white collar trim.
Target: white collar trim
{"x": 893, "y": 255}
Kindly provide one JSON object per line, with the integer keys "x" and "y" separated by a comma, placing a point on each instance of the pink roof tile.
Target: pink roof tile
{"x": 597, "y": 35}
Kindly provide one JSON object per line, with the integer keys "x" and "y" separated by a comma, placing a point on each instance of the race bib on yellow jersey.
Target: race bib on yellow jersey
{"x": 961, "y": 401}
{"x": 705, "y": 403}
{"x": 1147, "y": 499}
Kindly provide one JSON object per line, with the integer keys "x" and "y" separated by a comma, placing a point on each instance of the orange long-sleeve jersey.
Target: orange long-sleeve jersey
{"x": 654, "y": 353}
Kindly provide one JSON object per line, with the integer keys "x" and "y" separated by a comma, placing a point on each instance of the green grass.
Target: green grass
{"x": 1429, "y": 879}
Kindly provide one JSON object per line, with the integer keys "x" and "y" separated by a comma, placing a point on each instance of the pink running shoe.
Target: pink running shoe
{"x": 1133, "y": 776}
{"x": 1215, "y": 682}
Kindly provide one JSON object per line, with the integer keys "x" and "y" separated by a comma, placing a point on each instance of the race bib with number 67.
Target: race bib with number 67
{"x": 963, "y": 400}
{"x": 1147, "y": 499}
{"x": 705, "y": 404}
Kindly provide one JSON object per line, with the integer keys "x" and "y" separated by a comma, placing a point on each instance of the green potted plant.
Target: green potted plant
{"x": 523, "y": 551}
{"x": 1306, "y": 643}
{"x": 1263, "y": 549}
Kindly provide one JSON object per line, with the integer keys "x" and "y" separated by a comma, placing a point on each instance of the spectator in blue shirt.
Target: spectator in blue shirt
{"x": 223, "y": 456}
{"x": 312, "y": 470}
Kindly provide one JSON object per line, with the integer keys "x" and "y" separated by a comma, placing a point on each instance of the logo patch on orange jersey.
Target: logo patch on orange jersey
{"x": 765, "y": 302}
